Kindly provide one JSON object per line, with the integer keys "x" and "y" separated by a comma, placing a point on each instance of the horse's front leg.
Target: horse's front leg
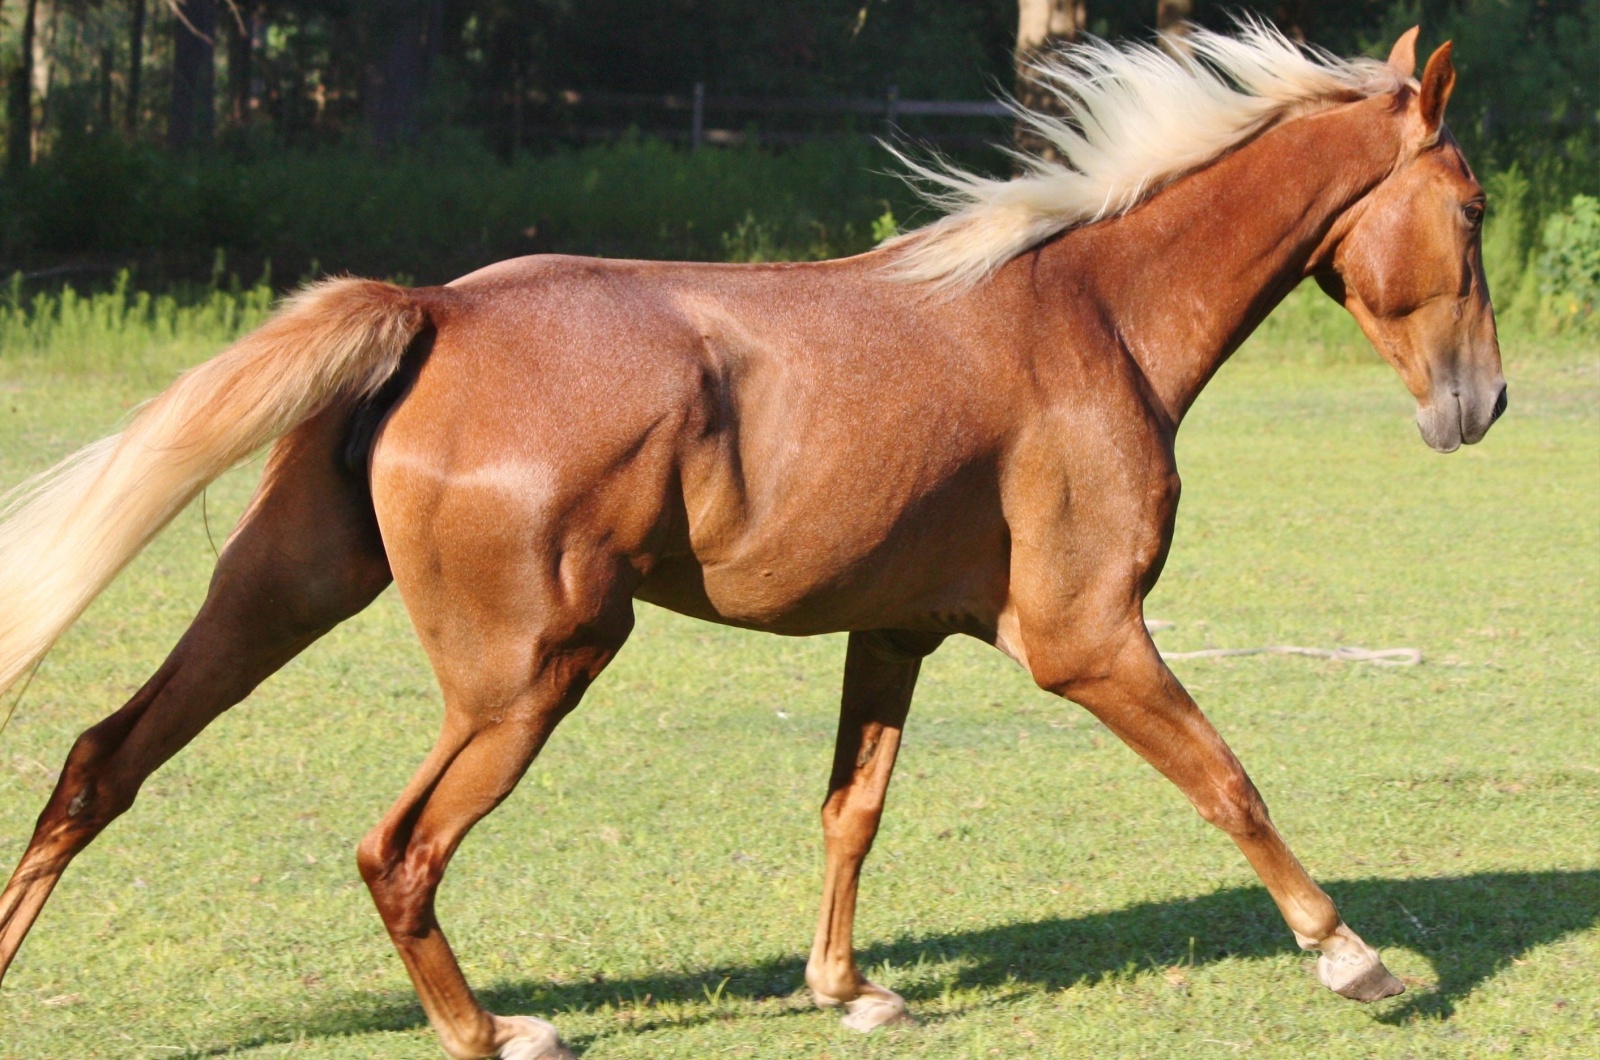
{"x": 880, "y": 673}
{"x": 1121, "y": 679}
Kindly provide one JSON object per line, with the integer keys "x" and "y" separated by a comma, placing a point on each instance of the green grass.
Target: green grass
{"x": 1036, "y": 890}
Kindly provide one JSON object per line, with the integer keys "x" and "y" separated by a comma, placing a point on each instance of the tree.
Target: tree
{"x": 130, "y": 119}
{"x": 1172, "y": 21}
{"x": 1042, "y": 27}
{"x": 19, "y": 101}
{"x": 191, "y": 117}
{"x": 406, "y": 40}
{"x": 241, "y": 62}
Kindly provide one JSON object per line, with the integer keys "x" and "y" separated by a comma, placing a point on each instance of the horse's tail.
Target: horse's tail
{"x": 68, "y": 532}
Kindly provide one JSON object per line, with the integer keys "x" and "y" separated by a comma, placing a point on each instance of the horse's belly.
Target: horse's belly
{"x": 940, "y": 579}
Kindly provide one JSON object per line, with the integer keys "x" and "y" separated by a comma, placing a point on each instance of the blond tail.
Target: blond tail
{"x": 68, "y": 532}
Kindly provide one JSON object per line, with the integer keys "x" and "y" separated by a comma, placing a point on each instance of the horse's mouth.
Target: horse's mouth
{"x": 1440, "y": 425}
{"x": 1454, "y": 419}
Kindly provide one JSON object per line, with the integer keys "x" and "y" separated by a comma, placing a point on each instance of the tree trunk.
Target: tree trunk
{"x": 1042, "y": 26}
{"x": 1172, "y": 24}
{"x": 19, "y": 102}
{"x": 406, "y": 41}
{"x": 130, "y": 118}
{"x": 241, "y": 57}
{"x": 1295, "y": 18}
{"x": 107, "y": 69}
{"x": 192, "y": 116}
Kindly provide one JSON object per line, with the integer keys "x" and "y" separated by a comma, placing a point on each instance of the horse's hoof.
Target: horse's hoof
{"x": 871, "y": 1011}
{"x": 1351, "y": 968}
{"x": 1358, "y": 981}
{"x": 533, "y": 1040}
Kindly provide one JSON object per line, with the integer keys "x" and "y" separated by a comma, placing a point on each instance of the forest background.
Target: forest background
{"x": 175, "y": 146}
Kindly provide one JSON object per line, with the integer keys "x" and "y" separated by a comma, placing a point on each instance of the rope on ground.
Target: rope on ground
{"x": 1381, "y": 657}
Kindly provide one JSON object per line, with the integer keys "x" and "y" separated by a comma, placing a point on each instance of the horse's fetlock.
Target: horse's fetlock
{"x": 467, "y": 1047}
{"x": 832, "y": 985}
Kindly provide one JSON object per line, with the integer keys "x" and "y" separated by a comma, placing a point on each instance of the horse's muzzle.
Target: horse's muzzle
{"x": 1457, "y": 417}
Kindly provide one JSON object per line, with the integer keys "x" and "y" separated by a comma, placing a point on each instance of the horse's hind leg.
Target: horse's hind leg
{"x": 880, "y": 674}
{"x": 476, "y": 762}
{"x": 305, "y": 556}
{"x": 516, "y": 633}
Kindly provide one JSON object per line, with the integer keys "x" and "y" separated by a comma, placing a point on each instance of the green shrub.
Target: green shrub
{"x": 437, "y": 211}
{"x": 1569, "y": 266}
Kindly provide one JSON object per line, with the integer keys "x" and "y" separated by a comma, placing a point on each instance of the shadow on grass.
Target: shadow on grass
{"x": 1469, "y": 928}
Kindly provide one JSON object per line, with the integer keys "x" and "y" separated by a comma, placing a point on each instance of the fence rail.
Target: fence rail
{"x": 890, "y": 108}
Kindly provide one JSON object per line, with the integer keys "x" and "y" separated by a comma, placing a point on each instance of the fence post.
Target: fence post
{"x": 891, "y": 108}
{"x": 519, "y": 93}
{"x": 697, "y": 119}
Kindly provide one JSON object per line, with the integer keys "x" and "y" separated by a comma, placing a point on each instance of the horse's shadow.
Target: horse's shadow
{"x": 1469, "y": 928}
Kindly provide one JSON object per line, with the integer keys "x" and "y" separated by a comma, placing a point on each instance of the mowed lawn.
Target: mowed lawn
{"x": 1036, "y": 890}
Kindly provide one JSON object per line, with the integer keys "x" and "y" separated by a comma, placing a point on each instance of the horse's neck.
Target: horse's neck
{"x": 1187, "y": 276}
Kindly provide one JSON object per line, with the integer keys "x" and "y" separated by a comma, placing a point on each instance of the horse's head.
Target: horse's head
{"x": 1407, "y": 262}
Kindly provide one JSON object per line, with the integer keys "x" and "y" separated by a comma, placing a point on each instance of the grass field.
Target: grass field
{"x": 1036, "y": 890}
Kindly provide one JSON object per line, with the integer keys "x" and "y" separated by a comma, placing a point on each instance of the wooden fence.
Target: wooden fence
{"x": 683, "y": 117}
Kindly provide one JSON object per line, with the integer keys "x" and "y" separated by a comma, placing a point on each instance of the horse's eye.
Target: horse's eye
{"x": 1473, "y": 212}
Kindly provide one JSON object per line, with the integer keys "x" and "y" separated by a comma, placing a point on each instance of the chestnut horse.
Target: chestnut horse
{"x": 968, "y": 430}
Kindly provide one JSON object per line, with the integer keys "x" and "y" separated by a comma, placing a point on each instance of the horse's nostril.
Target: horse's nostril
{"x": 1499, "y": 404}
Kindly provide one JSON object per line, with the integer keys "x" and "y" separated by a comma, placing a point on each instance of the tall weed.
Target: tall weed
{"x": 133, "y": 333}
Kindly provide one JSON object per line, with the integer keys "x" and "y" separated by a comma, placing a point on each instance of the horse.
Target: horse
{"x": 968, "y": 429}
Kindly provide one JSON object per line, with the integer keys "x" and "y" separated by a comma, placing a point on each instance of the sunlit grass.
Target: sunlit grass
{"x": 1036, "y": 890}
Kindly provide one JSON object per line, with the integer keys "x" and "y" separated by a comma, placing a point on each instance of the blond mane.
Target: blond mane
{"x": 1137, "y": 118}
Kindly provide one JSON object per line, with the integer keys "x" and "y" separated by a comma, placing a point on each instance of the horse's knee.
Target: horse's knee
{"x": 1234, "y": 805}
{"x": 850, "y": 822}
{"x": 380, "y": 864}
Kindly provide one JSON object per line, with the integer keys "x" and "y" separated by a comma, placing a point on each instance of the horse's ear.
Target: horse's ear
{"x": 1403, "y": 56}
{"x": 1438, "y": 80}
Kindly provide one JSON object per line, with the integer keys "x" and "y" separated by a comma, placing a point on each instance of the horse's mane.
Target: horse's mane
{"x": 1137, "y": 118}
